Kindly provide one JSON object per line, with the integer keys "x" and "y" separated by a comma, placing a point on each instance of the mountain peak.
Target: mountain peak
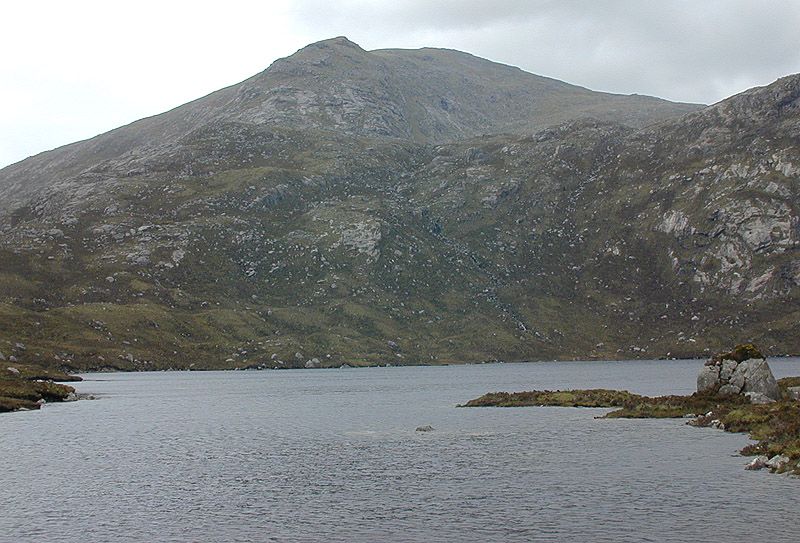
{"x": 425, "y": 95}
{"x": 338, "y": 41}
{"x": 337, "y": 45}
{"x": 331, "y": 53}
{"x": 334, "y": 85}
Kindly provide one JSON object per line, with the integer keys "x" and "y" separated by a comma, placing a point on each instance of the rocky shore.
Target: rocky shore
{"x": 24, "y": 387}
{"x": 736, "y": 393}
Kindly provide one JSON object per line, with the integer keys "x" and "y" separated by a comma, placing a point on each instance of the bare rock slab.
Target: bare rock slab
{"x": 744, "y": 370}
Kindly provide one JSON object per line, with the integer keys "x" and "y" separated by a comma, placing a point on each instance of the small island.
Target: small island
{"x": 736, "y": 393}
{"x": 25, "y": 387}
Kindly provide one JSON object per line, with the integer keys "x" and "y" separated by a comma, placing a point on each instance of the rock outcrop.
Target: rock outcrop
{"x": 744, "y": 370}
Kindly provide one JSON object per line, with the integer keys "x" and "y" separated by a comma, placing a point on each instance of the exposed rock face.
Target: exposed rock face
{"x": 363, "y": 238}
{"x": 736, "y": 373}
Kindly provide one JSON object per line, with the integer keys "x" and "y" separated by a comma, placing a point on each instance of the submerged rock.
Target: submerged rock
{"x": 426, "y": 428}
{"x": 744, "y": 370}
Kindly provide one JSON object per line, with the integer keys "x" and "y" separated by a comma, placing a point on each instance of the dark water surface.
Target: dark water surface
{"x": 332, "y": 455}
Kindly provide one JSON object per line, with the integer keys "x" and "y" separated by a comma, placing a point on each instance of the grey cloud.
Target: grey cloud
{"x": 681, "y": 50}
{"x": 413, "y": 15}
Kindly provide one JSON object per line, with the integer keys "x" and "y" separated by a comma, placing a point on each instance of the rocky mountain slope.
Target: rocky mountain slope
{"x": 406, "y": 207}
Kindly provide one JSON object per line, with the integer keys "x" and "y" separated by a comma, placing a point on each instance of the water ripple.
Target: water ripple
{"x": 330, "y": 456}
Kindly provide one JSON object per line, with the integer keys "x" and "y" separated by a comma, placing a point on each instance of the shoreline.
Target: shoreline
{"x": 76, "y": 370}
{"x": 774, "y": 426}
{"x": 26, "y": 388}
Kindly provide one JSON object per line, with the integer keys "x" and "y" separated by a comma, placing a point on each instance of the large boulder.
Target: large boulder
{"x": 744, "y": 370}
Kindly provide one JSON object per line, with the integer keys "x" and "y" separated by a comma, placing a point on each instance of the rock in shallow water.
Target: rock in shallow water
{"x": 426, "y": 428}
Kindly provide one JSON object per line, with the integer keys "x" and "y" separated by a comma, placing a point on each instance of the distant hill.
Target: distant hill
{"x": 406, "y": 207}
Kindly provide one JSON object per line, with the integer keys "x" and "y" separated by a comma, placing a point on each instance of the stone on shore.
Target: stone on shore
{"x": 759, "y": 462}
{"x": 744, "y": 370}
{"x": 313, "y": 363}
{"x": 777, "y": 461}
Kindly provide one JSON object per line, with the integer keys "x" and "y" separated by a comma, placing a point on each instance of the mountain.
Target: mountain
{"x": 421, "y": 96}
{"x": 406, "y": 207}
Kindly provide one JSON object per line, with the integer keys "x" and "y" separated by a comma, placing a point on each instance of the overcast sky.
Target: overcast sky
{"x": 72, "y": 69}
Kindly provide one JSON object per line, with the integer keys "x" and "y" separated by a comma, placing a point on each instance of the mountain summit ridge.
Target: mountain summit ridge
{"x": 370, "y": 207}
{"x": 423, "y": 95}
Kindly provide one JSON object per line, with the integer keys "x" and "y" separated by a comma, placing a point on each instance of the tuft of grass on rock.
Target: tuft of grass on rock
{"x": 740, "y": 353}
